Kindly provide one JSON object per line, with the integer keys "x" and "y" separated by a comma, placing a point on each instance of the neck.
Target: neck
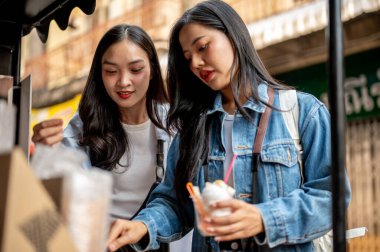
{"x": 228, "y": 101}
{"x": 229, "y": 104}
{"x": 133, "y": 116}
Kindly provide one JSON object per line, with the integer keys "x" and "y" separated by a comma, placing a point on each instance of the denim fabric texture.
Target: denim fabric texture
{"x": 294, "y": 211}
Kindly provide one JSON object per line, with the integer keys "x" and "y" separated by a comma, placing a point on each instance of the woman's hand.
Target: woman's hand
{"x": 244, "y": 221}
{"x": 124, "y": 232}
{"x": 49, "y": 132}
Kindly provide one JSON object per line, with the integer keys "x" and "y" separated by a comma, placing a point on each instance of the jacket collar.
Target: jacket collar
{"x": 250, "y": 104}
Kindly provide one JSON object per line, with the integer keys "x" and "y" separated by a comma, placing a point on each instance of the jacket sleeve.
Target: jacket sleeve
{"x": 163, "y": 215}
{"x": 71, "y": 136}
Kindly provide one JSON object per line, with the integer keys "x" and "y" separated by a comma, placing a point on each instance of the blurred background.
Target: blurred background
{"x": 290, "y": 38}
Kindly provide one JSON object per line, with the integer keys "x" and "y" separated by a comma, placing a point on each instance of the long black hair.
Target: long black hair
{"x": 190, "y": 98}
{"x": 103, "y": 133}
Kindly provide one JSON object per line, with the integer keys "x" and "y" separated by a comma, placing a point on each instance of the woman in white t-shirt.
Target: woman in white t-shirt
{"x": 120, "y": 123}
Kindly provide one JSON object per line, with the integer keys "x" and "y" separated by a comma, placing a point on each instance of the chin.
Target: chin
{"x": 218, "y": 87}
{"x": 212, "y": 85}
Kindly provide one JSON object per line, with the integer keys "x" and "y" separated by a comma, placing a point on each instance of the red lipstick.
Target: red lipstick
{"x": 207, "y": 75}
{"x": 124, "y": 95}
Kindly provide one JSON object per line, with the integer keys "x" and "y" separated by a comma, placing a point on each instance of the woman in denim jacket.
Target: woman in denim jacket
{"x": 218, "y": 91}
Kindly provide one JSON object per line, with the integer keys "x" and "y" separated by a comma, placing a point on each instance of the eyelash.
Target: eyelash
{"x": 137, "y": 70}
{"x": 200, "y": 49}
{"x": 205, "y": 46}
{"x": 132, "y": 70}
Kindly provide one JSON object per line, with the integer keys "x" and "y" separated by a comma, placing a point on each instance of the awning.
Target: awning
{"x": 39, "y": 14}
{"x": 17, "y": 19}
{"x": 303, "y": 20}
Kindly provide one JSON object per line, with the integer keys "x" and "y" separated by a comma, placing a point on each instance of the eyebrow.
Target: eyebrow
{"x": 194, "y": 41}
{"x": 107, "y": 62}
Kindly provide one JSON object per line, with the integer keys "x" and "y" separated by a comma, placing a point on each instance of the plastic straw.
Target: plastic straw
{"x": 197, "y": 201}
{"x": 230, "y": 169}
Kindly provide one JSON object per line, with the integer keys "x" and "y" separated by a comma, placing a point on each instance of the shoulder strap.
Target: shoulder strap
{"x": 257, "y": 146}
{"x": 263, "y": 123}
{"x": 260, "y": 134}
{"x": 160, "y": 169}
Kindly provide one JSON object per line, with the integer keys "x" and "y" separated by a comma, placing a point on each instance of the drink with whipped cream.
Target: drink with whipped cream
{"x": 214, "y": 192}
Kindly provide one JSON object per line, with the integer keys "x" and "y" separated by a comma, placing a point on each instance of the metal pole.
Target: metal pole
{"x": 16, "y": 59}
{"x": 336, "y": 97}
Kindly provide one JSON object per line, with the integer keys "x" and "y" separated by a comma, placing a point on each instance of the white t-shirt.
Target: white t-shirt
{"x": 228, "y": 122}
{"x": 132, "y": 183}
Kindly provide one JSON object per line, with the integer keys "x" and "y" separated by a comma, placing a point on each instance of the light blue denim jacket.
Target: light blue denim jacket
{"x": 294, "y": 210}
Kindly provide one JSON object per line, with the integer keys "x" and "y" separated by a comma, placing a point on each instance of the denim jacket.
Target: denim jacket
{"x": 295, "y": 205}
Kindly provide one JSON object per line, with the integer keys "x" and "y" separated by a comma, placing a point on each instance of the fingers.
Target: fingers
{"x": 124, "y": 232}
{"x": 233, "y": 236}
{"x": 217, "y": 230}
{"x": 49, "y": 136}
{"x": 244, "y": 221}
{"x": 48, "y": 123}
{"x": 116, "y": 230}
{"x": 232, "y": 203}
{"x": 236, "y": 230}
{"x": 118, "y": 236}
{"x": 119, "y": 242}
{"x": 236, "y": 206}
{"x": 48, "y": 132}
{"x": 226, "y": 220}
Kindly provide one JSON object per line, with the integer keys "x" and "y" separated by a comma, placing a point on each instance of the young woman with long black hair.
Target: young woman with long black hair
{"x": 121, "y": 118}
{"x": 220, "y": 93}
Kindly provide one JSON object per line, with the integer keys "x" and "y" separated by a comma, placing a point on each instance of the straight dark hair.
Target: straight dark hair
{"x": 190, "y": 98}
{"x": 103, "y": 133}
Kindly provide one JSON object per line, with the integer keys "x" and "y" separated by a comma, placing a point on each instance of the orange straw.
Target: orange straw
{"x": 230, "y": 169}
{"x": 190, "y": 189}
{"x": 197, "y": 202}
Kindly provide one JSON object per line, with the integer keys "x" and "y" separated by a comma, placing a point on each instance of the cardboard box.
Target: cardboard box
{"x": 54, "y": 187}
{"x": 29, "y": 220}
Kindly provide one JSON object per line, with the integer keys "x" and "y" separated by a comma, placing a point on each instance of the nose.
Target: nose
{"x": 124, "y": 80}
{"x": 196, "y": 61}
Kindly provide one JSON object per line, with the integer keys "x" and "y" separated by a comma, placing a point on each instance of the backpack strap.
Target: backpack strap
{"x": 289, "y": 106}
{"x": 259, "y": 139}
{"x": 160, "y": 172}
{"x": 290, "y": 113}
{"x": 160, "y": 169}
{"x": 251, "y": 244}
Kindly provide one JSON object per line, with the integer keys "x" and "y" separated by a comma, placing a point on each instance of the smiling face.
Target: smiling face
{"x": 126, "y": 75}
{"x": 209, "y": 53}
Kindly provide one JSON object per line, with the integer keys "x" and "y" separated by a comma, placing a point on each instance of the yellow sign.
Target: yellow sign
{"x": 64, "y": 111}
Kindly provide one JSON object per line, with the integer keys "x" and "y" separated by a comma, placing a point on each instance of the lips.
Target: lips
{"x": 124, "y": 94}
{"x": 206, "y": 75}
